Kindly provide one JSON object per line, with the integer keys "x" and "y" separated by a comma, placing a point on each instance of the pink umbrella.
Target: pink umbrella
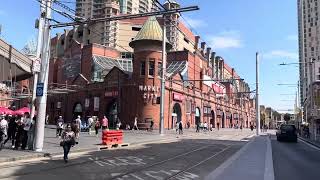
{"x": 7, "y": 111}
{"x": 22, "y": 111}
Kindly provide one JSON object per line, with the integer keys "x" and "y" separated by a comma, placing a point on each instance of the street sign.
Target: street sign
{"x": 39, "y": 91}
{"x": 36, "y": 65}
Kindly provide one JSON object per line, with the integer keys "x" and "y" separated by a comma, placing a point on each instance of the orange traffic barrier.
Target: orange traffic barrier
{"x": 112, "y": 137}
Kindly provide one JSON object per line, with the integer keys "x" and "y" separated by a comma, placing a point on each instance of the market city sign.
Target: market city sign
{"x": 150, "y": 92}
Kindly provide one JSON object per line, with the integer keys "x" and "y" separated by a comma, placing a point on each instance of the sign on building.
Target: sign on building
{"x": 86, "y": 102}
{"x": 96, "y": 102}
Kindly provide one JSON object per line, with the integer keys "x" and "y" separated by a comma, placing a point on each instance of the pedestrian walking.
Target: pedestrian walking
{"x": 177, "y": 127}
{"x": 180, "y": 128}
{"x": 97, "y": 126}
{"x": 12, "y": 129}
{"x": 3, "y": 130}
{"x": 59, "y": 124}
{"x": 118, "y": 124}
{"x": 251, "y": 127}
{"x": 26, "y": 127}
{"x": 135, "y": 124}
{"x": 105, "y": 123}
{"x": 198, "y": 127}
{"x": 188, "y": 124}
{"x": 151, "y": 125}
{"x": 218, "y": 125}
{"x": 68, "y": 140}
{"x": 90, "y": 122}
{"x": 19, "y": 134}
{"x": 77, "y": 129}
{"x": 205, "y": 126}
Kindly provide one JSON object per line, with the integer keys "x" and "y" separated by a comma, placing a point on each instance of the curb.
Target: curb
{"x": 50, "y": 155}
{"x": 310, "y": 142}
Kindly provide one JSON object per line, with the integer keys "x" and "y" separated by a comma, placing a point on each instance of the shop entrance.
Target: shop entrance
{"x": 213, "y": 119}
{"x": 77, "y": 110}
{"x": 176, "y": 115}
{"x": 198, "y": 115}
{"x": 223, "y": 119}
{"x": 112, "y": 113}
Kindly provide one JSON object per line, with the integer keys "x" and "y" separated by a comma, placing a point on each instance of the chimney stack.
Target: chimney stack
{"x": 196, "y": 43}
{"x": 203, "y": 47}
{"x": 212, "y": 61}
{"x": 208, "y": 55}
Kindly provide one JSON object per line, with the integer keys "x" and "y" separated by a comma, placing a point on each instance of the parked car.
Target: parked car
{"x": 287, "y": 132}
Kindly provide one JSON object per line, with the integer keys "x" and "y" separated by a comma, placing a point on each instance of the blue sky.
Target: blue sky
{"x": 235, "y": 29}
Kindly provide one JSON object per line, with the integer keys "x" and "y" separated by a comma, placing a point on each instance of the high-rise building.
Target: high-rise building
{"x": 106, "y": 33}
{"x": 309, "y": 58}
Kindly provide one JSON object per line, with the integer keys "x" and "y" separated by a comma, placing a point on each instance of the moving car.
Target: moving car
{"x": 287, "y": 132}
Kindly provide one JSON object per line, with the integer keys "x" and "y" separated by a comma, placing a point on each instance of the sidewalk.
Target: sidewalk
{"x": 315, "y": 143}
{"x": 90, "y": 142}
{"x": 256, "y": 155}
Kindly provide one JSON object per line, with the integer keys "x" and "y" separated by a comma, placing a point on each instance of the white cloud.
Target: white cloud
{"x": 195, "y": 23}
{"x": 292, "y": 37}
{"x": 225, "y": 40}
{"x": 281, "y": 54}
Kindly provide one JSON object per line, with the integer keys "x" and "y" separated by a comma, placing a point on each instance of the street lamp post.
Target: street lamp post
{"x": 257, "y": 96}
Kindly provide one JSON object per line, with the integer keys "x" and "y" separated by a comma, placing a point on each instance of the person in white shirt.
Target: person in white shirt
{"x": 78, "y": 127}
{"x": 90, "y": 121}
{"x": 26, "y": 126}
{"x": 205, "y": 126}
{"x": 3, "y": 130}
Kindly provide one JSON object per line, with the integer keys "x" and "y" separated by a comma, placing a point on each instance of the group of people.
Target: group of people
{"x": 19, "y": 129}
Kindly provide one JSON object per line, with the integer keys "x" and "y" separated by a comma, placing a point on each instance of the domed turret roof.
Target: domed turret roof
{"x": 151, "y": 30}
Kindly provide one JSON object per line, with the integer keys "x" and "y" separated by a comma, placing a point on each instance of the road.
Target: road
{"x": 295, "y": 161}
{"x": 178, "y": 159}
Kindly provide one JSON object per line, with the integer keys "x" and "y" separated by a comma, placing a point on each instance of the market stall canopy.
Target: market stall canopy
{"x": 22, "y": 111}
{"x": 20, "y": 66}
{"x": 4, "y": 110}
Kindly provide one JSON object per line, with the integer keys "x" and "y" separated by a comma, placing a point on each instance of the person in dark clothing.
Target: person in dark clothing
{"x": 251, "y": 127}
{"x": 218, "y": 125}
{"x": 151, "y": 125}
{"x": 19, "y": 134}
{"x": 180, "y": 128}
{"x": 198, "y": 127}
{"x": 68, "y": 140}
{"x": 11, "y": 131}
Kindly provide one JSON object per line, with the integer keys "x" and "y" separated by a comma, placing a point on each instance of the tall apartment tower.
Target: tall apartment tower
{"x": 106, "y": 33}
{"x": 172, "y": 24}
{"x": 309, "y": 58}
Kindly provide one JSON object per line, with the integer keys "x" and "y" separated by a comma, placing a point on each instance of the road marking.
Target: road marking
{"x": 219, "y": 170}
{"x": 183, "y": 171}
{"x": 311, "y": 145}
{"x": 268, "y": 171}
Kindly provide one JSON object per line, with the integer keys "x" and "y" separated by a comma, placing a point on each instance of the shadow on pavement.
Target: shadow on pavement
{"x": 180, "y": 158}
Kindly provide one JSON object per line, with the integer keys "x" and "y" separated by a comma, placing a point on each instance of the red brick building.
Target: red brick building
{"x": 200, "y": 87}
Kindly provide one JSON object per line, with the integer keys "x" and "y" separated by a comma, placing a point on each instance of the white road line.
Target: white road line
{"x": 268, "y": 171}
{"x": 313, "y": 146}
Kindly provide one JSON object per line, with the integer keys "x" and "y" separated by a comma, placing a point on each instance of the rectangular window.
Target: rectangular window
{"x": 143, "y": 68}
{"x": 151, "y": 68}
{"x": 159, "y": 68}
{"x": 188, "y": 107}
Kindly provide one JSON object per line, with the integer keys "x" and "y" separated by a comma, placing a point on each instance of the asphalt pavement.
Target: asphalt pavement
{"x": 187, "y": 158}
{"x": 295, "y": 161}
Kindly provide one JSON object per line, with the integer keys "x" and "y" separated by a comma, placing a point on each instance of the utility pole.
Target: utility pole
{"x": 38, "y": 55}
{"x": 257, "y": 95}
{"x": 43, "y": 78}
{"x": 163, "y": 82}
